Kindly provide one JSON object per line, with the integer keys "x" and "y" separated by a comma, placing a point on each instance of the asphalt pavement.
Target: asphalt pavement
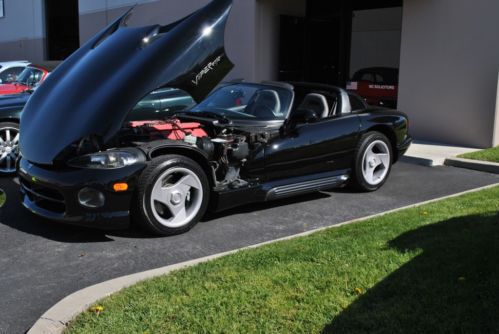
{"x": 42, "y": 262}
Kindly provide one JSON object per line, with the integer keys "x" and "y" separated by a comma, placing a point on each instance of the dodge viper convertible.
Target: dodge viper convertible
{"x": 83, "y": 163}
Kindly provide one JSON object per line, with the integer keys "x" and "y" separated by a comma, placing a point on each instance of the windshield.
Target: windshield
{"x": 30, "y": 76}
{"x": 160, "y": 104}
{"x": 248, "y": 102}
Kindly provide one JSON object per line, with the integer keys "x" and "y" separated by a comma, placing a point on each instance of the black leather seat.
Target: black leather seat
{"x": 317, "y": 103}
{"x": 266, "y": 104}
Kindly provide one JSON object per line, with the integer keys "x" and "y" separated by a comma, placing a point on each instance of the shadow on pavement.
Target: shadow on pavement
{"x": 265, "y": 205}
{"x": 14, "y": 215}
{"x": 451, "y": 287}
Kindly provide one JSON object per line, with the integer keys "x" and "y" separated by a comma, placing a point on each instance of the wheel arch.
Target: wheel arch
{"x": 192, "y": 153}
{"x": 9, "y": 120}
{"x": 390, "y": 134}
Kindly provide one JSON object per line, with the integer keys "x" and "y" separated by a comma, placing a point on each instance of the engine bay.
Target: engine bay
{"x": 227, "y": 148}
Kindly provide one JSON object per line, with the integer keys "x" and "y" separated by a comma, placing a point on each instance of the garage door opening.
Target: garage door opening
{"x": 62, "y": 27}
{"x": 338, "y": 39}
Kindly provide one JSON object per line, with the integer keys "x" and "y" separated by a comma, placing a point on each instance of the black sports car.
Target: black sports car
{"x": 84, "y": 163}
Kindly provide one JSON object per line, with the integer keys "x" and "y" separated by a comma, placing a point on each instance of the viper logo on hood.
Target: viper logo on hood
{"x": 91, "y": 93}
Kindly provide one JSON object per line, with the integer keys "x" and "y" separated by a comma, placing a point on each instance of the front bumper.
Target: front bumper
{"x": 404, "y": 146}
{"x": 53, "y": 194}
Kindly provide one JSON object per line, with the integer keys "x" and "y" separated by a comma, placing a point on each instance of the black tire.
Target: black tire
{"x": 142, "y": 211}
{"x": 3, "y": 166}
{"x": 359, "y": 181}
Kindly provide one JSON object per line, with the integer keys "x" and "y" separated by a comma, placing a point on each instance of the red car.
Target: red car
{"x": 30, "y": 77}
{"x": 378, "y": 86}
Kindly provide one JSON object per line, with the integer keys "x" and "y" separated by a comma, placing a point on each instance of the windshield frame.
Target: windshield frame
{"x": 32, "y": 70}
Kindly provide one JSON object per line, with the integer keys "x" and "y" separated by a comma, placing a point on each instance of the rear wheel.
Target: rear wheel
{"x": 173, "y": 195}
{"x": 9, "y": 147}
{"x": 373, "y": 161}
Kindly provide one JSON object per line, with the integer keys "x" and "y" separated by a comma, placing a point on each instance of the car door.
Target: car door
{"x": 326, "y": 145}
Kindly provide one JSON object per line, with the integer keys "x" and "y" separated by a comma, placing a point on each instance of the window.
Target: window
{"x": 368, "y": 77}
{"x": 248, "y": 102}
{"x": 2, "y": 13}
{"x": 10, "y": 74}
{"x": 160, "y": 104}
{"x": 30, "y": 76}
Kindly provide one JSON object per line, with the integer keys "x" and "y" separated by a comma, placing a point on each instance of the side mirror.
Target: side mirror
{"x": 300, "y": 116}
{"x": 304, "y": 116}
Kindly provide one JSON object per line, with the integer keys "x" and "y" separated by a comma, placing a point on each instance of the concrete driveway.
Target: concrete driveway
{"x": 42, "y": 262}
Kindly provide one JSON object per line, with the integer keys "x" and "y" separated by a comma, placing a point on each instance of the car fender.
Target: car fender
{"x": 393, "y": 124}
{"x": 159, "y": 148}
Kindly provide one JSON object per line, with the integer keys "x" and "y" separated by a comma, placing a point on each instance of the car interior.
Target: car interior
{"x": 323, "y": 103}
{"x": 316, "y": 103}
{"x": 265, "y": 104}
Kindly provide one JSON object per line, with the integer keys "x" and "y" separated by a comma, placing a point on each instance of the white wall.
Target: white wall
{"x": 449, "y": 68}
{"x": 92, "y": 6}
{"x": 376, "y": 38}
{"x": 22, "y": 31}
{"x": 240, "y": 37}
{"x": 23, "y": 20}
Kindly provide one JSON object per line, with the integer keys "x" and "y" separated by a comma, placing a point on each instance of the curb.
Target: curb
{"x": 482, "y": 166}
{"x": 55, "y": 320}
{"x": 427, "y": 162}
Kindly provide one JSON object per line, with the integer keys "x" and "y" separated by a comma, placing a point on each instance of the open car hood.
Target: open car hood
{"x": 90, "y": 94}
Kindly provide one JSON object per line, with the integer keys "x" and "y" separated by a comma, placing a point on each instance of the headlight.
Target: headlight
{"x": 108, "y": 160}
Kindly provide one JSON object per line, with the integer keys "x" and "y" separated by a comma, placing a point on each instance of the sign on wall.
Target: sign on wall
{"x": 1, "y": 9}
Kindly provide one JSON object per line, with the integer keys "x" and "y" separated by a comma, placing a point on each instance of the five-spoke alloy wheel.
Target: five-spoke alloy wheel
{"x": 173, "y": 195}
{"x": 376, "y": 162}
{"x": 176, "y": 197}
{"x": 9, "y": 147}
{"x": 373, "y": 161}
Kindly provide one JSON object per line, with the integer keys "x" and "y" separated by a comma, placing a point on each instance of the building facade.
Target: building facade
{"x": 446, "y": 50}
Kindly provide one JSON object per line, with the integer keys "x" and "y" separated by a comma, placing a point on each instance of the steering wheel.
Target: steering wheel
{"x": 264, "y": 112}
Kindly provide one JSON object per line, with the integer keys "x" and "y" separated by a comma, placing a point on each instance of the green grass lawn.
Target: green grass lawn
{"x": 491, "y": 154}
{"x": 3, "y": 198}
{"x": 432, "y": 269}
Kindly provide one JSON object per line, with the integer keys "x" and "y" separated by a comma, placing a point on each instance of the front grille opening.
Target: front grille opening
{"x": 46, "y": 198}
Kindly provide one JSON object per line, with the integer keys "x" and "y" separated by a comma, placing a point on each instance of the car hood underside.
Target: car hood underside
{"x": 91, "y": 93}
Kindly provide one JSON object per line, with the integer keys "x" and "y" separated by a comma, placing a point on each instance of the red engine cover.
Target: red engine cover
{"x": 175, "y": 129}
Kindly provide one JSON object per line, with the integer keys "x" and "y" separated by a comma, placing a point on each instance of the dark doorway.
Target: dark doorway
{"x": 314, "y": 48}
{"x": 291, "y": 55}
{"x": 62, "y": 27}
{"x": 328, "y": 41}
{"x": 317, "y": 48}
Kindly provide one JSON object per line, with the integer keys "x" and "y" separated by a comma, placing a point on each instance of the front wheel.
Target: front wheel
{"x": 9, "y": 147}
{"x": 172, "y": 197}
{"x": 373, "y": 161}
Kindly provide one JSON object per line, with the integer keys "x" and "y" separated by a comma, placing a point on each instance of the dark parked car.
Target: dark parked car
{"x": 157, "y": 105}
{"x": 10, "y": 113}
{"x": 377, "y": 85}
{"x": 84, "y": 163}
